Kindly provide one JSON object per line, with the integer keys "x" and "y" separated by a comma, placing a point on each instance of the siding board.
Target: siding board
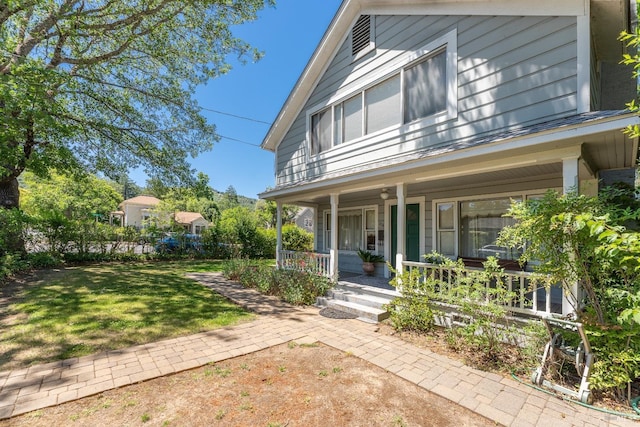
{"x": 512, "y": 71}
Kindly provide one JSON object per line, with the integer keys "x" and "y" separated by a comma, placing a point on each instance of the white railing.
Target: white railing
{"x": 532, "y": 292}
{"x": 311, "y": 262}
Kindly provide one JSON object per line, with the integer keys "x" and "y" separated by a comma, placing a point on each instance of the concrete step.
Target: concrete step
{"x": 363, "y": 301}
{"x": 364, "y": 313}
{"x": 368, "y": 300}
{"x": 367, "y": 290}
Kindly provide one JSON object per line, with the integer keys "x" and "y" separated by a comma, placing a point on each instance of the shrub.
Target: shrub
{"x": 295, "y": 238}
{"x": 412, "y": 310}
{"x": 585, "y": 240}
{"x": 294, "y": 287}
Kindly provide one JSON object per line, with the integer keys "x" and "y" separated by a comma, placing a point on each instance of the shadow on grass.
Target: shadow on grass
{"x": 107, "y": 307}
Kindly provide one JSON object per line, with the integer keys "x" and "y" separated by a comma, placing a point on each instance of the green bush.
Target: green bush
{"x": 295, "y": 238}
{"x": 294, "y": 287}
{"x": 412, "y": 310}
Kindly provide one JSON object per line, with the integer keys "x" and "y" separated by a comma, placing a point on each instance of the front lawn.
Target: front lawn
{"x": 85, "y": 310}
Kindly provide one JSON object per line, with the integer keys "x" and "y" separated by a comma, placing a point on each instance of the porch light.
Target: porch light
{"x": 384, "y": 194}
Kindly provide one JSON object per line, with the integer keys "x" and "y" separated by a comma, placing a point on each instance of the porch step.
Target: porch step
{"x": 366, "y": 302}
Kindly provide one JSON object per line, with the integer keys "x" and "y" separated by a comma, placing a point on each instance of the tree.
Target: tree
{"x": 268, "y": 213}
{"x": 632, "y": 41}
{"x": 229, "y": 199}
{"x": 108, "y": 85}
{"x": 75, "y": 197}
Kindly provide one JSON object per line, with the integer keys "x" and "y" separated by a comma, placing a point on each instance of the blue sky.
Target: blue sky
{"x": 288, "y": 35}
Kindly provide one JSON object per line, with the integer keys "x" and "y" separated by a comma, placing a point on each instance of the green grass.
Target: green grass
{"x": 85, "y": 310}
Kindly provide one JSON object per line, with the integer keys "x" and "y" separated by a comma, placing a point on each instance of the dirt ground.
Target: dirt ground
{"x": 287, "y": 385}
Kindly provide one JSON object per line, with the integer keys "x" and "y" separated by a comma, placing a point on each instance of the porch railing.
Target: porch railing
{"x": 312, "y": 262}
{"x": 532, "y": 292}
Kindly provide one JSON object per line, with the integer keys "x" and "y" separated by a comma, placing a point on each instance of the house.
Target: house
{"x": 193, "y": 222}
{"x": 416, "y": 122}
{"x": 135, "y": 211}
{"x": 304, "y": 219}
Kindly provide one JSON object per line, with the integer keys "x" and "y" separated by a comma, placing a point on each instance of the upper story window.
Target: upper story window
{"x": 421, "y": 91}
{"x": 362, "y": 36}
{"x": 425, "y": 87}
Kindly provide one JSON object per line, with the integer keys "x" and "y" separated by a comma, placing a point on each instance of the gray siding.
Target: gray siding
{"x": 512, "y": 71}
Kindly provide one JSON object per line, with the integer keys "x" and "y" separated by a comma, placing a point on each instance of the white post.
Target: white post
{"x": 333, "y": 263}
{"x": 401, "y": 227}
{"x": 279, "y": 234}
{"x": 570, "y": 183}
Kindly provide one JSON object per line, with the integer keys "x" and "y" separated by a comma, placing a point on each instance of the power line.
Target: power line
{"x": 237, "y": 116}
{"x": 239, "y": 140}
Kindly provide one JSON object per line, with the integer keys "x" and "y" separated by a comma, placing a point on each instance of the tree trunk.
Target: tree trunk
{"x": 11, "y": 237}
{"x": 9, "y": 194}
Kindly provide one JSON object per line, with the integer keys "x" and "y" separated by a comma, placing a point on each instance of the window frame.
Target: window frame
{"x": 446, "y": 43}
{"x": 326, "y": 214}
{"x": 523, "y": 195}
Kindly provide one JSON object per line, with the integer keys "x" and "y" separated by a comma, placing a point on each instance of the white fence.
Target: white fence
{"x": 532, "y": 292}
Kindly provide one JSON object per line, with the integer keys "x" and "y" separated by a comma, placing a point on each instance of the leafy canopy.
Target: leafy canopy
{"x": 107, "y": 84}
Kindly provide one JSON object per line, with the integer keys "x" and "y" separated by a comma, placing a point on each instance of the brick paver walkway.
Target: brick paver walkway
{"x": 501, "y": 399}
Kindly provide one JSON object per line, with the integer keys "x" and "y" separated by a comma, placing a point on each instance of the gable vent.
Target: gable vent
{"x": 361, "y": 35}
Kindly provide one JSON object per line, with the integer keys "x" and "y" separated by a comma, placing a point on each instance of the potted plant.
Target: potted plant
{"x": 369, "y": 260}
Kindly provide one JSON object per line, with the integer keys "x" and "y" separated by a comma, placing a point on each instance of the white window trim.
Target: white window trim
{"x": 449, "y": 42}
{"x": 456, "y": 210}
{"x": 325, "y": 214}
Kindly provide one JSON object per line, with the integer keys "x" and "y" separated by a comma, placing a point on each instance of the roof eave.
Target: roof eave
{"x": 609, "y": 124}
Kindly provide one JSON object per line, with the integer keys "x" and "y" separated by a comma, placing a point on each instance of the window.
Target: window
{"x": 357, "y": 229}
{"x": 469, "y": 228}
{"x": 362, "y": 39}
{"x": 321, "y": 131}
{"x": 419, "y": 90}
{"x": 425, "y": 87}
{"x": 480, "y": 224}
{"x": 382, "y": 101}
{"x": 352, "y": 120}
{"x": 445, "y": 229}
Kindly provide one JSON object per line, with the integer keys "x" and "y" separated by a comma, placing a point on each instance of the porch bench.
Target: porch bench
{"x": 506, "y": 264}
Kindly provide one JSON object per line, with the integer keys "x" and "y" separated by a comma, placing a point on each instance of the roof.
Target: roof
{"x": 350, "y": 10}
{"x": 188, "y": 217}
{"x": 142, "y": 200}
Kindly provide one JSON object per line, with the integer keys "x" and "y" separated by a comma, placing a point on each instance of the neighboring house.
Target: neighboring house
{"x": 135, "y": 211}
{"x": 193, "y": 222}
{"x": 429, "y": 117}
{"x": 304, "y": 219}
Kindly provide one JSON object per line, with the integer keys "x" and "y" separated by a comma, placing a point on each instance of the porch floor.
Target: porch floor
{"x": 364, "y": 280}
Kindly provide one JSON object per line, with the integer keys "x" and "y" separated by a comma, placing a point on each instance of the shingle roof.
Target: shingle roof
{"x": 187, "y": 217}
{"x": 142, "y": 200}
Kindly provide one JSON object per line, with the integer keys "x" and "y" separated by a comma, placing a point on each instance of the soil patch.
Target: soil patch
{"x": 286, "y": 385}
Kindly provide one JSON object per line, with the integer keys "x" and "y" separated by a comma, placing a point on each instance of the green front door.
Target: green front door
{"x": 412, "y": 232}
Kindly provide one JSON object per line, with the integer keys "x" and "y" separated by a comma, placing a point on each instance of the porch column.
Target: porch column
{"x": 570, "y": 184}
{"x": 333, "y": 263}
{"x": 401, "y": 227}
{"x": 278, "y": 234}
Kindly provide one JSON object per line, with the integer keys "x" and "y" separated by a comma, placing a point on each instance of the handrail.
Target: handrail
{"x": 529, "y": 296}
{"x": 312, "y": 262}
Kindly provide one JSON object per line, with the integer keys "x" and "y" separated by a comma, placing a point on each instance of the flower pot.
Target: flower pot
{"x": 368, "y": 268}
